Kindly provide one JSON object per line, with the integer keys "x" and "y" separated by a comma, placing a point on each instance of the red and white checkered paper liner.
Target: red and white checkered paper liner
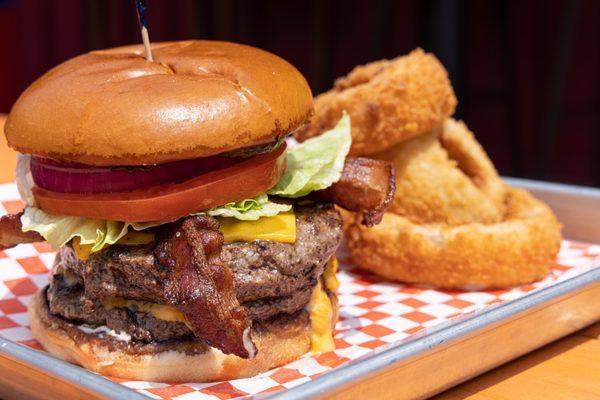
{"x": 373, "y": 313}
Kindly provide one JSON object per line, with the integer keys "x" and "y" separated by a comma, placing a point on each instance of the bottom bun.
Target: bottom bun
{"x": 278, "y": 341}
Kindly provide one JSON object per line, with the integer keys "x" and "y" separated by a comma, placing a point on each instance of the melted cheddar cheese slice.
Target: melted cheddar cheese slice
{"x": 83, "y": 251}
{"x": 279, "y": 228}
{"x": 320, "y": 308}
{"x": 158, "y": 311}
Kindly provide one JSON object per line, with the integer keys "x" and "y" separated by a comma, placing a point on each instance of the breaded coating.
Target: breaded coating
{"x": 389, "y": 101}
{"x": 433, "y": 187}
{"x": 518, "y": 250}
{"x": 462, "y": 147}
{"x": 453, "y": 221}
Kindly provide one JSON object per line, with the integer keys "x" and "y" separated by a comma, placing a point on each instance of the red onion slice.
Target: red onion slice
{"x": 66, "y": 177}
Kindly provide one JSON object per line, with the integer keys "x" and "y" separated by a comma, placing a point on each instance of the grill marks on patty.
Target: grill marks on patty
{"x": 269, "y": 278}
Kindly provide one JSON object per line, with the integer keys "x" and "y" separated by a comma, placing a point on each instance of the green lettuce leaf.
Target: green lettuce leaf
{"x": 250, "y": 209}
{"x": 58, "y": 230}
{"x": 316, "y": 163}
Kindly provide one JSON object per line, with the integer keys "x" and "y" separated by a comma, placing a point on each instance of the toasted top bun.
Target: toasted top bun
{"x": 198, "y": 98}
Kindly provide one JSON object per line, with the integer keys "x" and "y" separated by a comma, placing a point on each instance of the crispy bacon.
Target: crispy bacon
{"x": 201, "y": 285}
{"x": 366, "y": 186}
{"x": 11, "y": 233}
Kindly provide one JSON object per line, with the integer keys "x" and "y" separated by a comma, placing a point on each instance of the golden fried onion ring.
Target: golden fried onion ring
{"x": 454, "y": 223}
{"x": 518, "y": 250}
{"x": 388, "y": 101}
{"x": 433, "y": 187}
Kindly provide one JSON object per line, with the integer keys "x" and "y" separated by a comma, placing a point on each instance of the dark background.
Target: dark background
{"x": 525, "y": 72}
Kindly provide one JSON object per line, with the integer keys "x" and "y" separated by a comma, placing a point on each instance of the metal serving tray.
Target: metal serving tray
{"x": 426, "y": 363}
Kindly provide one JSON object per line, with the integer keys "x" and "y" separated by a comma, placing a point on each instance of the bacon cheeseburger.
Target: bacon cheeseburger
{"x": 194, "y": 244}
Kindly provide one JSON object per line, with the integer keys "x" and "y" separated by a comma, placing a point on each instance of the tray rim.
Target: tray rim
{"x": 367, "y": 364}
{"x": 435, "y": 337}
{"x": 556, "y": 187}
{"x": 63, "y": 370}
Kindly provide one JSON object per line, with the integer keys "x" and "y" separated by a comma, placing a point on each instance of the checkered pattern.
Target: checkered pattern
{"x": 373, "y": 313}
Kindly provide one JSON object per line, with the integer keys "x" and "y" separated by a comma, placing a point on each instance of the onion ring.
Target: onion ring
{"x": 471, "y": 256}
{"x": 472, "y": 160}
{"x": 431, "y": 187}
{"x": 454, "y": 223}
{"x": 388, "y": 101}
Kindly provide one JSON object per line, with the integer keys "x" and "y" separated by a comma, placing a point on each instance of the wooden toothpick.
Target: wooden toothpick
{"x": 141, "y": 8}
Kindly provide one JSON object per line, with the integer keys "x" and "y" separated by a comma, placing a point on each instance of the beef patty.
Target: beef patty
{"x": 270, "y": 278}
{"x": 261, "y": 269}
{"x": 71, "y": 303}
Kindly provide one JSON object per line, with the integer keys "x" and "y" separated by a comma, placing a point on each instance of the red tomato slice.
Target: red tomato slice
{"x": 243, "y": 180}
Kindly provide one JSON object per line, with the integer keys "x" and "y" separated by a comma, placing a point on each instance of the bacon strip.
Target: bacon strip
{"x": 201, "y": 285}
{"x": 11, "y": 233}
{"x": 367, "y": 186}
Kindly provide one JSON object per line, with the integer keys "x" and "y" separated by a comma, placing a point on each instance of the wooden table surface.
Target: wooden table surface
{"x": 566, "y": 369}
